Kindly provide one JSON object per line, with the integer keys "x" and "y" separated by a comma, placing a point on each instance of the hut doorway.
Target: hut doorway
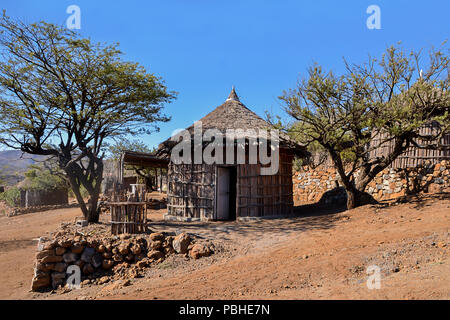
{"x": 226, "y": 193}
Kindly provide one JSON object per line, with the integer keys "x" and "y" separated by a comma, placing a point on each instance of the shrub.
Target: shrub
{"x": 11, "y": 196}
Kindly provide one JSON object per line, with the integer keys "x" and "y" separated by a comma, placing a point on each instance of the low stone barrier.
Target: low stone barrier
{"x": 112, "y": 258}
{"x": 320, "y": 184}
{"x": 12, "y": 212}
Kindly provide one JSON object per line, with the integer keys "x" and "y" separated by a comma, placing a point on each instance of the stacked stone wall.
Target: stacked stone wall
{"x": 311, "y": 185}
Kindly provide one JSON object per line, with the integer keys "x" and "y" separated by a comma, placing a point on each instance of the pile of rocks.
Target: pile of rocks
{"x": 101, "y": 259}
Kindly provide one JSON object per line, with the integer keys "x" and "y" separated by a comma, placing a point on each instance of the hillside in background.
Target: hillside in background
{"x": 14, "y": 163}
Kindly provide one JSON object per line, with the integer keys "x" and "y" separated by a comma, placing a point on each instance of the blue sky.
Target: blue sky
{"x": 203, "y": 47}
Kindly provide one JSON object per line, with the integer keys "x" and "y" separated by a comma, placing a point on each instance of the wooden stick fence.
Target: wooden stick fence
{"x": 128, "y": 217}
{"x": 412, "y": 157}
{"x": 128, "y": 212}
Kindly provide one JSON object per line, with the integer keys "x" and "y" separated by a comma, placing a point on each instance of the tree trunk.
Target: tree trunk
{"x": 77, "y": 178}
{"x": 356, "y": 198}
{"x": 93, "y": 213}
{"x": 76, "y": 189}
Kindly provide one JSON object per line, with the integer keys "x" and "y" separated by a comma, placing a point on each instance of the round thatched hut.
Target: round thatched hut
{"x": 237, "y": 187}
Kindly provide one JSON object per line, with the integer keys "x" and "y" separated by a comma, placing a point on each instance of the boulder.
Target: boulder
{"x": 169, "y": 240}
{"x": 96, "y": 260}
{"x": 101, "y": 249}
{"x": 103, "y": 280}
{"x": 44, "y": 267}
{"x": 136, "y": 249}
{"x": 167, "y": 243}
{"x": 199, "y": 250}
{"x": 434, "y": 188}
{"x": 58, "y": 279}
{"x": 60, "y": 267}
{"x": 70, "y": 257}
{"x": 107, "y": 264}
{"x": 132, "y": 273}
{"x": 88, "y": 269}
{"x": 85, "y": 282}
{"x": 51, "y": 259}
{"x": 142, "y": 264}
{"x": 60, "y": 251}
{"x": 181, "y": 242}
{"x": 155, "y": 255}
{"x": 156, "y": 245}
{"x": 77, "y": 248}
{"x": 65, "y": 243}
{"x": 79, "y": 263}
{"x": 156, "y": 236}
{"x": 40, "y": 280}
{"x": 45, "y": 253}
{"x": 87, "y": 254}
{"x": 48, "y": 245}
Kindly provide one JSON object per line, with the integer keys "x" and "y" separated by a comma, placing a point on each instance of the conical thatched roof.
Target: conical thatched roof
{"x": 233, "y": 114}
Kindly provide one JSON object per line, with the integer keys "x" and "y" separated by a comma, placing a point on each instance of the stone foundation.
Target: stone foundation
{"x": 320, "y": 184}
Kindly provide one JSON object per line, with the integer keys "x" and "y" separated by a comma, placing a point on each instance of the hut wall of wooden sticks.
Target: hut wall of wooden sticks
{"x": 231, "y": 189}
{"x": 414, "y": 156}
{"x": 128, "y": 217}
{"x": 128, "y": 212}
{"x": 381, "y": 146}
{"x": 194, "y": 190}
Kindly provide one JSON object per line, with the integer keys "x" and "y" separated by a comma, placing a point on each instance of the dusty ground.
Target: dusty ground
{"x": 320, "y": 255}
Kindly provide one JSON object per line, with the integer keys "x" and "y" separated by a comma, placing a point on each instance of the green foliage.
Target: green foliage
{"x": 53, "y": 80}
{"x": 297, "y": 165}
{"x": 389, "y": 99}
{"x": 83, "y": 192}
{"x": 65, "y": 96}
{"x": 116, "y": 149}
{"x": 39, "y": 177}
{"x": 11, "y": 196}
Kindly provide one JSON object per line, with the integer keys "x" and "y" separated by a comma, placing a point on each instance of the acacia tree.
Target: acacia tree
{"x": 63, "y": 96}
{"x": 388, "y": 99}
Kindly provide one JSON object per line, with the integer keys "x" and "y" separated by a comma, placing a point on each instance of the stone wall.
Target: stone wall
{"x": 12, "y": 212}
{"x": 104, "y": 258}
{"x": 319, "y": 184}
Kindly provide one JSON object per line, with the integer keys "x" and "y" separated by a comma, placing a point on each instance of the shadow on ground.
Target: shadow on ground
{"x": 420, "y": 201}
{"x": 307, "y": 217}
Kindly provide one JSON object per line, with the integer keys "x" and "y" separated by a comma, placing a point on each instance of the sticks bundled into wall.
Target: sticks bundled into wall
{"x": 191, "y": 190}
{"x": 129, "y": 216}
{"x": 271, "y": 195}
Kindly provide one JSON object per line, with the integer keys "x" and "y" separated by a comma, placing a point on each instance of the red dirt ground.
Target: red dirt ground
{"x": 316, "y": 256}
